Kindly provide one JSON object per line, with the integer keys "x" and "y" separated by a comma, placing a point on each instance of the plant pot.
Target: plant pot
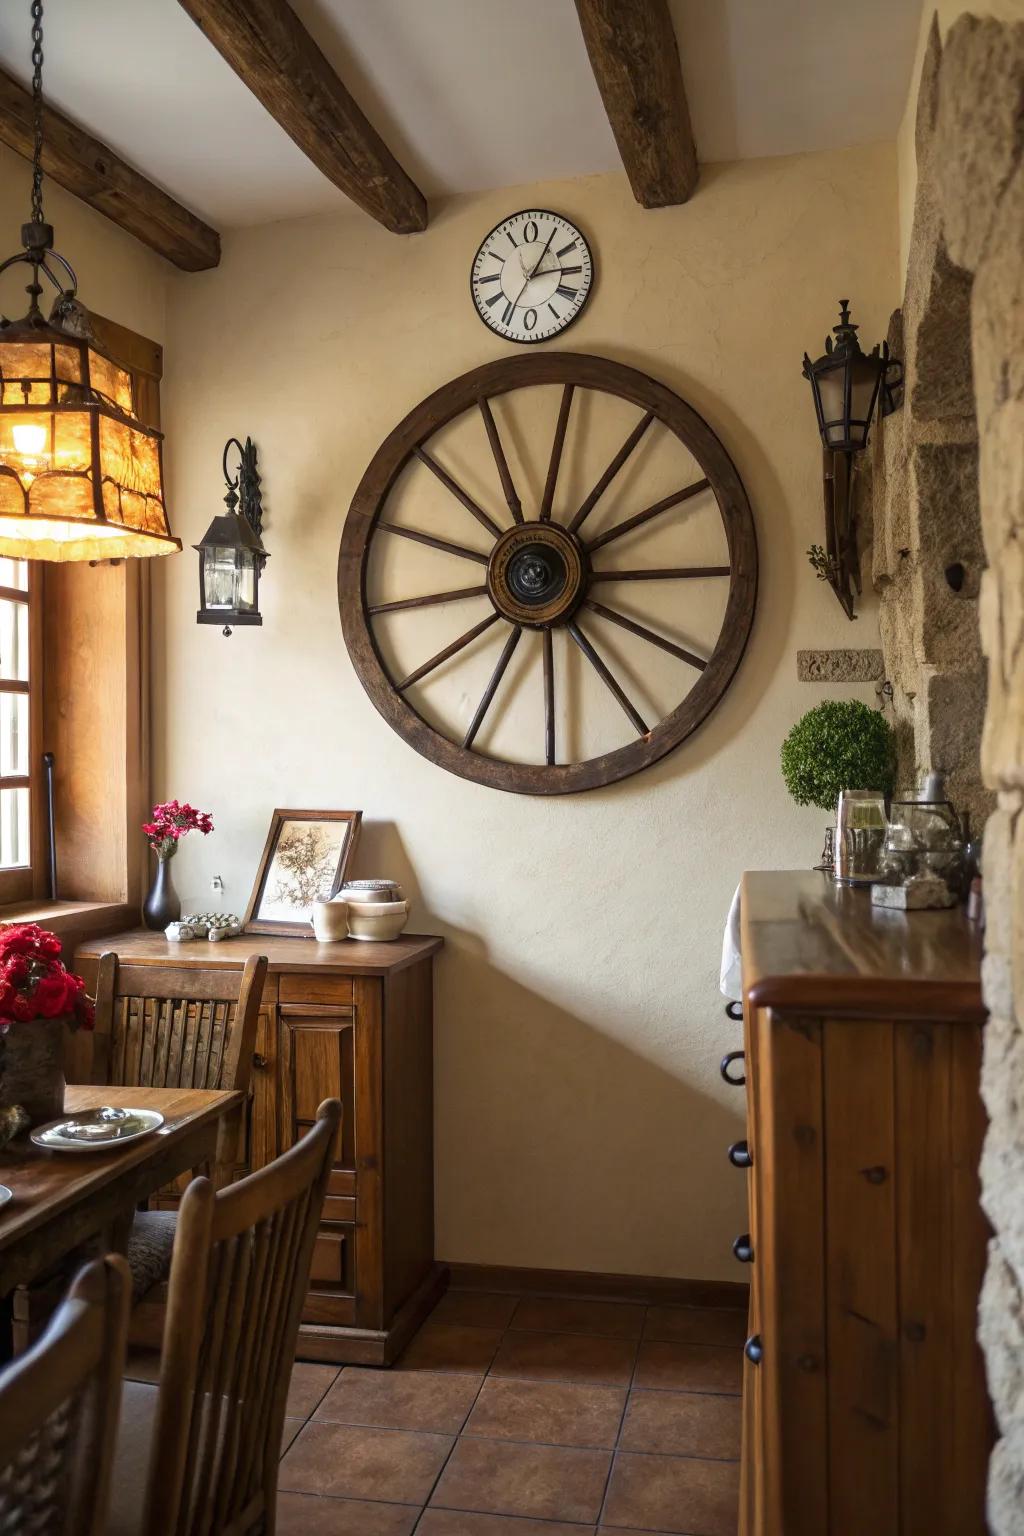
{"x": 32, "y": 1068}
{"x": 163, "y": 904}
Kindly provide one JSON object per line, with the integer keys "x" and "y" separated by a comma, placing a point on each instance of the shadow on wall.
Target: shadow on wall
{"x": 547, "y": 1124}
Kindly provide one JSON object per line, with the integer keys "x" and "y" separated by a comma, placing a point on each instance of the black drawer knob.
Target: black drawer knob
{"x": 753, "y": 1349}
{"x": 259, "y": 1061}
{"x": 739, "y": 1079}
{"x": 743, "y": 1249}
{"x": 734, "y": 1011}
{"x": 740, "y": 1156}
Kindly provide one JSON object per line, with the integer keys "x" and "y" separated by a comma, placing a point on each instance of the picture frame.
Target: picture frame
{"x": 304, "y": 859}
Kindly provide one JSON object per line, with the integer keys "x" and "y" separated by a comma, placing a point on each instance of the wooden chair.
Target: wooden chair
{"x": 59, "y": 1405}
{"x": 167, "y": 1026}
{"x": 198, "y": 1454}
{"x": 175, "y": 1027}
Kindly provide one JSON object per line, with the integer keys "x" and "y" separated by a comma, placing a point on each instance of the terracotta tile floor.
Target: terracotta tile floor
{"x": 524, "y": 1416}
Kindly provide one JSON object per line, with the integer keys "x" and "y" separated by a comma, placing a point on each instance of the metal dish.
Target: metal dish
{"x": 5, "y": 1194}
{"x": 97, "y": 1130}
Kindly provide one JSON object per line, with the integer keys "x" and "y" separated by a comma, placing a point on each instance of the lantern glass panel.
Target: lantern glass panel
{"x": 220, "y": 578}
{"x": 13, "y": 640}
{"x": 246, "y": 581}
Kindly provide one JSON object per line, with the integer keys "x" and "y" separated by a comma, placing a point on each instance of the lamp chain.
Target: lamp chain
{"x": 37, "y": 111}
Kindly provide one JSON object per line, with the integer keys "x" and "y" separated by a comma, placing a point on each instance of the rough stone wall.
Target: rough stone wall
{"x": 948, "y": 553}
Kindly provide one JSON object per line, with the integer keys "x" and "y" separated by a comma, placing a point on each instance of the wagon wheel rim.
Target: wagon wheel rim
{"x": 513, "y": 567}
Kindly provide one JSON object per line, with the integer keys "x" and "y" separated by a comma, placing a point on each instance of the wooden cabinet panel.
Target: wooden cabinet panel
{"x": 336, "y": 990}
{"x": 330, "y": 1267}
{"x": 315, "y": 1063}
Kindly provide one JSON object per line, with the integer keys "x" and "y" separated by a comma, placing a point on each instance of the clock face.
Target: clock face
{"x": 531, "y": 276}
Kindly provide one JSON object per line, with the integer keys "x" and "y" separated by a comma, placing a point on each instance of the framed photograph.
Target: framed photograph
{"x": 305, "y": 859}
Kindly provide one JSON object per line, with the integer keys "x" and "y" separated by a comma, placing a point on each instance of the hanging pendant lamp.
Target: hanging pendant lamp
{"x": 81, "y": 477}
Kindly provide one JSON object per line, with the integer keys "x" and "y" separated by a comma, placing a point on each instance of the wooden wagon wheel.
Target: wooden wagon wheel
{"x": 543, "y": 572}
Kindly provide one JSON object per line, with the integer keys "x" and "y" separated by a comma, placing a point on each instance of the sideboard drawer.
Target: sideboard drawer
{"x": 298, "y": 988}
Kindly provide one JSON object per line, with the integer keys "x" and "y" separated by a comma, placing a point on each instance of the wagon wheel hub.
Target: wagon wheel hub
{"x": 536, "y": 574}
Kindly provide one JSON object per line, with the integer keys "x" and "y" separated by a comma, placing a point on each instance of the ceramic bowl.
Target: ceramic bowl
{"x": 370, "y": 891}
{"x": 380, "y": 920}
{"x": 330, "y": 921}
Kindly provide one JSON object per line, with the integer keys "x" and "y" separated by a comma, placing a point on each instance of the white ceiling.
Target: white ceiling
{"x": 469, "y": 94}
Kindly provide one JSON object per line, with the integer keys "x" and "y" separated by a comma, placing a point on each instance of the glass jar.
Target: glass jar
{"x": 861, "y": 825}
{"x": 924, "y": 837}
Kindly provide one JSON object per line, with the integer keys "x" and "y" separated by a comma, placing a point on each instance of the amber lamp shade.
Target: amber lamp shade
{"x": 845, "y": 382}
{"x": 81, "y": 477}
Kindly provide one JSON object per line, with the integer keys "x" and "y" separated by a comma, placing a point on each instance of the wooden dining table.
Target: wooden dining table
{"x": 63, "y": 1199}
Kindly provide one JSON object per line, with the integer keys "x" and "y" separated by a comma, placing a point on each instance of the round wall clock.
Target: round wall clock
{"x": 462, "y": 549}
{"x": 531, "y": 276}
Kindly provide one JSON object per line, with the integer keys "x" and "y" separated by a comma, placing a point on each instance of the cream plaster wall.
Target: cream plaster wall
{"x": 117, "y": 276}
{"x": 581, "y": 1122}
{"x": 947, "y": 11}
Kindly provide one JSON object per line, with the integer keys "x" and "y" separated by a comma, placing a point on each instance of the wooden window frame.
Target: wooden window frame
{"x": 25, "y": 882}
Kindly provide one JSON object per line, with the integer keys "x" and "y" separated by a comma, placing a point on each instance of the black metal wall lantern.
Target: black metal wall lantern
{"x": 845, "y": 383}
{"x": 231, "y": 553}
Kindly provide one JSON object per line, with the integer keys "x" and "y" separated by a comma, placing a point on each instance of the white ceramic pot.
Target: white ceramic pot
{"x": 380, "y": 920}
{"x": 330, "y": 921}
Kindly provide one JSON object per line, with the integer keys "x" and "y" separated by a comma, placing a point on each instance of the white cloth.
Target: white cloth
{"x": 730, "y": 982}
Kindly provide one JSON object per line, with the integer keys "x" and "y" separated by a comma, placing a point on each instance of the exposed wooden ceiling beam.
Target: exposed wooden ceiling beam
{"x": 272, "y": 53}
{"x": 635, "y": 59}
{"x": 84, "y": 166}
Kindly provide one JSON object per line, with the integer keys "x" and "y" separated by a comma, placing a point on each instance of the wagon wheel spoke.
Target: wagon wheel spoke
{"x": 556, "y": 453}
{"x": 458, "y": 492}
{"x": 449, "y": 651}
{"x": 609, "y": 681}
{"x": 492, "y": 686}
{"x": 663, "y": 573}
{"x": 428, "y": 538}
{"x": 609, "y": 475}
{"x": 454, "y": 596}
{"x": 645, "y": 634}
{"x": 549, "y": 698}
{"x": 645, "y": 516}
{"x": 504, "y": 473}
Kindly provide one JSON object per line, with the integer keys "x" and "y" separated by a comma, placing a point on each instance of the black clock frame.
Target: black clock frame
{"x": 530, "y": 341}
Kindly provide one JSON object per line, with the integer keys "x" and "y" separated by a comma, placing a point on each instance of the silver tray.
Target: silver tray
{"x": 97, "y": 1130}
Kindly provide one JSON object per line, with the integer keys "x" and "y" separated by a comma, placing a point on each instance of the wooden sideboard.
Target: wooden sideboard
{"x": 352, "y": 1021}
{"x": 865, "y": 1409}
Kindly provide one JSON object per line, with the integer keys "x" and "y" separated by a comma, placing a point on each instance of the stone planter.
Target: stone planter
{"x": 32, "y": 1068}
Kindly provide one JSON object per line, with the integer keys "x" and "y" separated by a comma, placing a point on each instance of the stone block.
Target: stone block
{"x": 940, "y": 382}
{"x": 1001, "y": 1317}
{"x": 950, "y": 554}
{"x": 1001, "y": 478}
{"x": 839, "y": 666}
{"x": 977, "y": 123}
{"x": 949, "y": 737}
{"x": 998, "y": 309}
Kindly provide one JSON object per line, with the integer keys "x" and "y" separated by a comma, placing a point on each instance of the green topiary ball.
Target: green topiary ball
{"x": 841, "y": 744}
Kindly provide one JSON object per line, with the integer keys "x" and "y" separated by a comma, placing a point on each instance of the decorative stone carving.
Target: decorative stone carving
{"x": 949, "y": 498}
{"x": 840, "y": 666}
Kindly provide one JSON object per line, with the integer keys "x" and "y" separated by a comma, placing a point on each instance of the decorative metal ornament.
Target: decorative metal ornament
{"x": 81, "y": 477}
{"x": 544, "y": 572}
{"x": 231, "y": 553}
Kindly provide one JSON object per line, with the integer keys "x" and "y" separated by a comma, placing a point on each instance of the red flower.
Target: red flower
{"x": 171, "y": 821}
{"x": 33, "y": 982}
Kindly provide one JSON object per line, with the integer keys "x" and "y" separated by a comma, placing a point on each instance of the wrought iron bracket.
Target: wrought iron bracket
{"x": 245, "y": 492}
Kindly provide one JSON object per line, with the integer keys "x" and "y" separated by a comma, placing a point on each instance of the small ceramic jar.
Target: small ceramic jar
{"x": 330, "y": 921}
{"x": 377, "y": 920}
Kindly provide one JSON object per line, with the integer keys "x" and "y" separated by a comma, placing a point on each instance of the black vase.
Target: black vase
{"x": 162, "y": 905}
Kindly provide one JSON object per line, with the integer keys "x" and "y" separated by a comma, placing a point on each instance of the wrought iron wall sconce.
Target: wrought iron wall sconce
{"x": 231, "y": 553}
{"x": 845, "y": 383}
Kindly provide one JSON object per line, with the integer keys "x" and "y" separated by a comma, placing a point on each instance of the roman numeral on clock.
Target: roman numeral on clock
{"x": 570, "y": 247}
{"x": 507, "y": 312}
{"x": 492, "y": 277}
{"x": 567, "y": 293}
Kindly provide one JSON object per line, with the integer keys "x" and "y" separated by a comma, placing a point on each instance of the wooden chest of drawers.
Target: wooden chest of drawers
{"x": 352, "y": 1021}
{"x": 865, "y": 1409}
